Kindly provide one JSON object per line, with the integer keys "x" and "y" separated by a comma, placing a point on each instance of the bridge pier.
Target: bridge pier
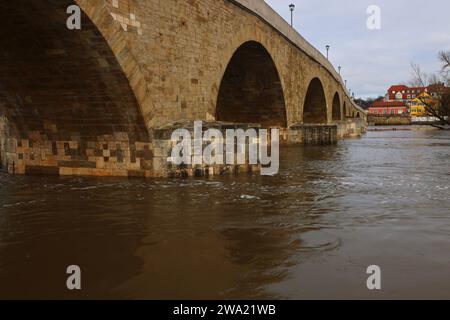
{"x": 163, "y": 146}
{"x": 312, "y": 134}
{"x": 351, "y": 128}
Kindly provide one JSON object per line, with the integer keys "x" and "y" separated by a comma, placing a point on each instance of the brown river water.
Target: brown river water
{"x": 310, "y": 232}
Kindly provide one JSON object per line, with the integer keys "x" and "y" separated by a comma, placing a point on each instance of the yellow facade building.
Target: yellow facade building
{"x": 418, "y": 106}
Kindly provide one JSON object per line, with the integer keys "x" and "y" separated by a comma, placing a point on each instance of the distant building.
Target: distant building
{"x": 381, "y": 107}
{"x": 418, "y": 106}
{"x": 404, "y": 100}
{"x": 404, "y": 93}
{"x": 407, "y": 94}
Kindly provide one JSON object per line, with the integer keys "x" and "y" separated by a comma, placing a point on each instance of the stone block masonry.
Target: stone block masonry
{"x": 163, "y": 145}
{"x": 307, "y": 134}
{"x": 389, "y": 120}
{"x": 108, "y": 155}
{"x": 92, "y": 101}
{"x": 351, "y": 128}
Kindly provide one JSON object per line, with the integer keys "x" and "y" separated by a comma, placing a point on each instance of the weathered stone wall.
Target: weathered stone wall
{"x": 164, "y": 144}
{"x": 389, "y": 120}
{"x": 351, "y": 128}
{"x": 311, "y": 134}
{"x": 69, "y": 106}
{"x": 63, "y": 84}
{"x": 107, "y": 156}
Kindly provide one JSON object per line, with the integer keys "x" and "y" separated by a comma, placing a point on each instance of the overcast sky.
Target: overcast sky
{"x": 372, "y": 60}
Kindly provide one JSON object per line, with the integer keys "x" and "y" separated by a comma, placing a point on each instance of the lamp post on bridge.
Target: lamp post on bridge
{"x": 339, "y": 69}
{"x": 328, "y": 49}
{"x": 292, "y": 7}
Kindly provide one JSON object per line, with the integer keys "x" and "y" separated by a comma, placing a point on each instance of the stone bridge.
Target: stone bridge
{"x": 92, "y": 101}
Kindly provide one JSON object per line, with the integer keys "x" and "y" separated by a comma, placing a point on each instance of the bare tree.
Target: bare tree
{"x": 434, "y": 79}
{"x": 440, "y": 107}
{"x": 444, "y": 57}
{"x": 419, "y": 79}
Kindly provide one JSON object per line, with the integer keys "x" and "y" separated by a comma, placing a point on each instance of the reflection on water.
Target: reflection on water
{"x": 310, "y": 232}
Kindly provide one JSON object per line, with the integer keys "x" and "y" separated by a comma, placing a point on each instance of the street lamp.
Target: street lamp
{"x": 339, "y": 68}
{"x": 292, "y": 7}
{"x": 345, "y": 83}
{"x": 328, "y": 49}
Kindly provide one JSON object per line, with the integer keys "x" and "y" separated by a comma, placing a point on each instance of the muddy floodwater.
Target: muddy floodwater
{"x": 310, "y": 232}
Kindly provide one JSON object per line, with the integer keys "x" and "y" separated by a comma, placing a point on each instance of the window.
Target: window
{"x": 392, "y": 111}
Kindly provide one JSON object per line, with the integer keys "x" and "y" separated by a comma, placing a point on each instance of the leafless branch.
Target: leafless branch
{"x": 420, "y": 79}
{"x": 438, "y": 106}
{"x": 444, "y": 57}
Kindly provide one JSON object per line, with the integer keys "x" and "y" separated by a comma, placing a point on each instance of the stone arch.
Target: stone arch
{"x": 345, "y": 110}
{"x": 358, "y": 115}
{"x": 315, "y": 105}
{"x": 99, "y": 13}
{"x": 336, "y": 113}
{"x": 63, "y": 83}
{"x": 251, "y": 90}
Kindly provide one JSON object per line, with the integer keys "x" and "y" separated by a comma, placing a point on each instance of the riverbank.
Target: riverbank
{"x": 411, "y": 127}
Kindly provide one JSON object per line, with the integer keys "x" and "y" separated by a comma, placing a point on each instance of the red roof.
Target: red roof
{"x": 388, "y": 104}
{"x": 397, "y": 88}
{"x": 408, "y": 93}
